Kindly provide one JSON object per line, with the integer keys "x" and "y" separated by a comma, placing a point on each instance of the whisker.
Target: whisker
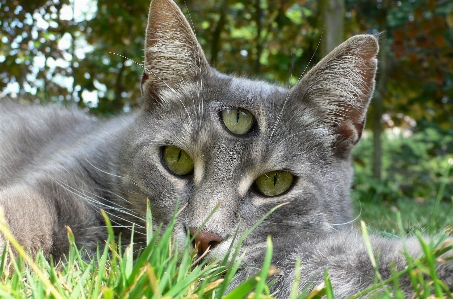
{"x": 149, "y": 71}
{"x": 288, "y": 94}
{"x": 113, "y": 226}
{"x": 353, "y": 220}
{"x": 96, "y": 203}
{"x": 127, "y": 58}
{"x": 130, "y": 228}
{"x": 312, "y": 57}
{"x": 93, "y": 203}
{"x": 189, "y": 18}
{"x": 279, "y": 116}
{"x": 105, "y": 172}
{"x": 113, "y": 193}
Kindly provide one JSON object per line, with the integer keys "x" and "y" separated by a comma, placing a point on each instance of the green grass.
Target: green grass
{"x": 163, "y": 271}
{"x": 416, "y": 216}
{"x": 159, "y": 271}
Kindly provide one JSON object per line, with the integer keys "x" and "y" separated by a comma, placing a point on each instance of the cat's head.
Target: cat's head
{"x": 209, "y": 141}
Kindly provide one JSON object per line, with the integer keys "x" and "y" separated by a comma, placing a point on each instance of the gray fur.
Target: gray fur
{"x": 59, "y": 167}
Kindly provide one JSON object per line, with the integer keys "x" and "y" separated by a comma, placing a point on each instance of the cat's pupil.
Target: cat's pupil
{"x": 275, "y": 178}
{"x": 238, "y": 120}
{"x": 179, "y": 155}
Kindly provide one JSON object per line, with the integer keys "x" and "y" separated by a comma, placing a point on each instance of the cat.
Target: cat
{"x": 206, "y": 141}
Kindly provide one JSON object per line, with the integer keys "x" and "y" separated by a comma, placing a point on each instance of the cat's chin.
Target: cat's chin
{"x": 220, "y": 251}
{"x": 247, "y": 255}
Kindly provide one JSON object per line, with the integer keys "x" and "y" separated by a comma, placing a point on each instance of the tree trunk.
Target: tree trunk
{"x": 73, "y": 57}
{"x": 259, "y": 45}
{"x": 378, "y": 101}
{"x": 215, "y": 46}
{"x": 332, "y": 12}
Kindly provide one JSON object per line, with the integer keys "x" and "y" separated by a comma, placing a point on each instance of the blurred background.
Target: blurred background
{"x": 88, "y": 53}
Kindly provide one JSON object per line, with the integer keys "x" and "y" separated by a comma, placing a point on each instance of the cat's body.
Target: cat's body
{"x": 59, "y": 168}
{"x": 47, "y": 160}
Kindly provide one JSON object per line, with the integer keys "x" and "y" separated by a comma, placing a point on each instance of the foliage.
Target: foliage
{"x": 420, "y": 36}
{"x": 421, "y": 84}
{"x": 56, "y": 55}
{"x": 93, "y": 58}
{"x": 416, "y": 166}
{"x": 98, "y": 49}
{"x": 29, "y": 33}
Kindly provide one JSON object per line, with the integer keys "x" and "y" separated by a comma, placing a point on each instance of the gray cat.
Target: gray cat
{"x": 205, "y": 140}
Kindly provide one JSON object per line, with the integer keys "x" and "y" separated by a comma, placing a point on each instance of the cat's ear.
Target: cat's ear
{"x": 337, "y": 91}
{"x": 173, "y": 56}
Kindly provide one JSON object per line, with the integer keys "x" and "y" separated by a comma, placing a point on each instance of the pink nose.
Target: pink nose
{"x": 204, "y": 240}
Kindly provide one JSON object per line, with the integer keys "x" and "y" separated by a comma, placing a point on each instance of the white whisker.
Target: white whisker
{"x": 98, "y": 204}
{"x": 280, "y": 114}
{"x": 353, "y": 220}
{"x": 113, "y": 193}
{"x": 97, "y": 168}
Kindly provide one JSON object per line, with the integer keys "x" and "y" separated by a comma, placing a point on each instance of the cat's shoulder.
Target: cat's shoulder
{"x": 10, "y": 108}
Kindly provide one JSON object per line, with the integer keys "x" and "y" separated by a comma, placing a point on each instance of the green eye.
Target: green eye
{"x": 274, "y": 183}
{"x": 177, "y": 160}
{"x": 237, "y": 120}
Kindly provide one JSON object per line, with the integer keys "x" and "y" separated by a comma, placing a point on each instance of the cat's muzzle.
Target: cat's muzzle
{"x": 203, "y": 240}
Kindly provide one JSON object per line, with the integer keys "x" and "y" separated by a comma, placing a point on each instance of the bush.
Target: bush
{"x": 414, "y": 167}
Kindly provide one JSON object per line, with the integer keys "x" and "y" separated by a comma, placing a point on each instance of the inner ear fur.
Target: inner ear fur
{"x": 173, "y": 56}
{"x": 339, "y": 89}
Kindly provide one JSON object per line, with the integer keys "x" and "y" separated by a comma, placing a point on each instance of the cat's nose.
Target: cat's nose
{"x": 204, "y": 240}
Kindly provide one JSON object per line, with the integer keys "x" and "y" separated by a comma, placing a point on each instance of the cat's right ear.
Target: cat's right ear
{"x": 335, "y": 94}
{"x": 173, "y": 56}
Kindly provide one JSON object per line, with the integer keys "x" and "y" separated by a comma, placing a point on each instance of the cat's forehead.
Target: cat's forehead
{"x": 255, "y": 90}
{"x": 257, "y": 96}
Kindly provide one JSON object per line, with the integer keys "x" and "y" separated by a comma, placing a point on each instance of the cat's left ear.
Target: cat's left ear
{"x": 173, "y": 56}
{"x": 336, "y": 93}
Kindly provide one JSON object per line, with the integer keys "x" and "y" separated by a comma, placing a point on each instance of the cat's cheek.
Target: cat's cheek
{"x": 262, "y": 201}
{"x": 247, "y": 209}
{"x": 221, "y": 250}
{"x": 180, "y": 236}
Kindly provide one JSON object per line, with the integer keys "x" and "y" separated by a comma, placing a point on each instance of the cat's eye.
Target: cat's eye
{"x": 237, "y": 120}
{"x": 274, "y": 183}
{"x": 177, "y": 160}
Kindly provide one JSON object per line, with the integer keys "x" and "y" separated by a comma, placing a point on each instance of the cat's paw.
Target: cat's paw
{"x": 445, "y": 273}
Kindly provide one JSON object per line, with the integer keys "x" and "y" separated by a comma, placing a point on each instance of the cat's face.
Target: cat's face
{"x": 207, "y": 141}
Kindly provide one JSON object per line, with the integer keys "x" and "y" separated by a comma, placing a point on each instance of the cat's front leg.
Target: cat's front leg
{"x": 445, "y": 273}
{"x": 38, "y": 215}
{"x": 31, "y": 219}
